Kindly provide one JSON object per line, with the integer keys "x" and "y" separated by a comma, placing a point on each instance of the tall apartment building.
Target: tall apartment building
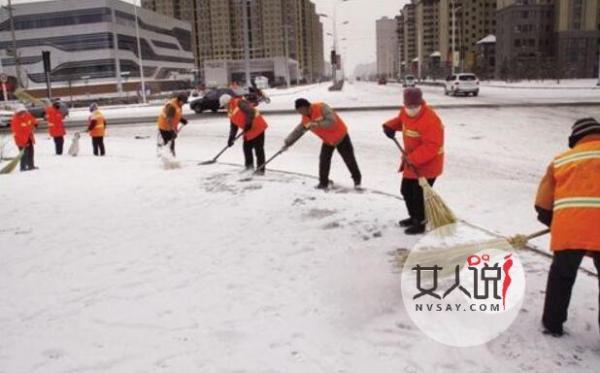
{"x": 524, "y": 36}
{"x": 407, "y": 39}
{"x": 427, "y": 27}
{"x": 387, "y": 47}
{"x": 577, "y": 30}
{"x": 433, "y": 29}
{"x": 218, "y": 27}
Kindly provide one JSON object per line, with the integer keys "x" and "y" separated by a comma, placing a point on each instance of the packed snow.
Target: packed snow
{"x": 117, "y": 265}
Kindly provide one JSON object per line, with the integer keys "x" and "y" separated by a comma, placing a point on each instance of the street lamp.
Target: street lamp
{"x": 139, "y": 48}
{"x": 454, "y": 9}
{"x": 335, "y": 41}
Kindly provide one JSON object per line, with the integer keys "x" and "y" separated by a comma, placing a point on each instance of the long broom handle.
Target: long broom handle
{"x": 227, "y": 147}
{"x": 408, "y": 162}
{"x": 262, "y": 166}
{"x": 538, "y": 234}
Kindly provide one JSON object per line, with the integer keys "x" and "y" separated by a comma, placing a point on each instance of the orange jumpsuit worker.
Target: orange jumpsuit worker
{"x": 97, "y": 130}
{"x": 169, "y": 119}
{"x": 423, "y": 135}
{"x": 323, "y": 121}
{"x": 22, "y": 125}
{"x": 56, "y": 126}
{"x": 244, "y": 116}
{"x": 568, "y": 201}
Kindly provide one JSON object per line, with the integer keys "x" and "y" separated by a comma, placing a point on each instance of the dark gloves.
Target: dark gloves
{"x": 184, "y": 121}
{"x": 389, "y": 132}
{"x": 544, "y": 216}
{"x": 231, "y": 141}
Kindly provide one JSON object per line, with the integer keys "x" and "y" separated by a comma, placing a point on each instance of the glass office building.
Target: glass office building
{"x": 93, "y": 42}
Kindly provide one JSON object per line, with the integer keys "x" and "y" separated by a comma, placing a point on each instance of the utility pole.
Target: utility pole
{"x": 14, "y": 43}
{"x": 245, "y": 28}
{"x": 453, "y": 36}
{"x": 139, "y": 48}
{"x": 287, "y": 54}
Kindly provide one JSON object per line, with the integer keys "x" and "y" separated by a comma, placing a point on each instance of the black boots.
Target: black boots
{"x": 413, "y": 226}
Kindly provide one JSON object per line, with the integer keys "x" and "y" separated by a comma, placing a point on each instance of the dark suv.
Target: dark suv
{"x": 210, "y": 101}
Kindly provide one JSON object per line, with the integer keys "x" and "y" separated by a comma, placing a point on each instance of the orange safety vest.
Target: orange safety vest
{"x": 100, "y": 129}
{"x": 423, "y": 138}
{"x": 22, "y": 126}
{"x": 163, "y": 122}
{"x": 571, "y": 188}
{"x": 238, "y": 118}
{"x": 332, "y": 135}
{"x": 56, "y": 127}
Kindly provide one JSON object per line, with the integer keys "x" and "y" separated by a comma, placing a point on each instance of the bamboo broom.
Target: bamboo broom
{"x": 437, "y": 213}
{"x": 10, "y": 166}
{"x": 459, "y": 253}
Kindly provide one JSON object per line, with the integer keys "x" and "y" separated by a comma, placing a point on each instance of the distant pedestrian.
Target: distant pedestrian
{"x": 97, "y": 130}
{"x": 56, "y": 127}
{"x": 23, "y": 125}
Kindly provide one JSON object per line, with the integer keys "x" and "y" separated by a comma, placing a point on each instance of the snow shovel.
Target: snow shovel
{"x": 438, "y": 214}
{"x": 214, "y": 160}
{"x": 10, "y": 166}
{"x": 262, "y": 166}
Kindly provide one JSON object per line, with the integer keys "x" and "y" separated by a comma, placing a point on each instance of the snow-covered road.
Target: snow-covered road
{"x": 116, "y": 265}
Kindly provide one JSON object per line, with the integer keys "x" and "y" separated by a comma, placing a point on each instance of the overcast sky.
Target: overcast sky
{"x": 359, "y": 32}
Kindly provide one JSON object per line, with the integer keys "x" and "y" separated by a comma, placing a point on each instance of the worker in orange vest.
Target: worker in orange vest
{"x": 56, "y": 126}
{"x": 97, "y": 130}
{"x": 568, "y": 201}
{"x": 423, "y": 136}
{"x": 244, "y": 116}
{"x": 168, "y": 121}
{"x": 23, "y": 124}
{"x": 323, "y": 121}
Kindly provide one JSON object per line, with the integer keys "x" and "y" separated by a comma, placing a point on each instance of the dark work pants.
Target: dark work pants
{"x": 561, "y": 278}
{"x": 58, "y": 144}
{"x": 98, "y": 145}
{"x": 169, "y": 137}
{"x": 346, "y": 150}
{"x": 413, "y": 197}
{"x": 27, "y": 159}
{"x": 256, "y": 145}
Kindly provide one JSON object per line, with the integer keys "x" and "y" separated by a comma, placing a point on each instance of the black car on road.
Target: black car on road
{"x": 210, "y": 101}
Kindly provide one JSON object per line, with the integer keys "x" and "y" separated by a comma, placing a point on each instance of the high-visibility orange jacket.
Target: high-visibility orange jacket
{"x": 170, "y": 116}
{"x": 238, "y": 117}
{"x": 22, "y": 126}
{"x": 331, "y": 135}
{"x": 97, "y": 126}
{"x": 56, "y": 126}
{"x": 423, "y": 138}
{"x": 571, "y": 190}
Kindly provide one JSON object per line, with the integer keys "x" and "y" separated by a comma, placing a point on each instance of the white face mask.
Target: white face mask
{"x": 413, "y": 111}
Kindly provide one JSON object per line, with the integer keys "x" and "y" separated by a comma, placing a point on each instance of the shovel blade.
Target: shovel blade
{"x": 207, "y": 162}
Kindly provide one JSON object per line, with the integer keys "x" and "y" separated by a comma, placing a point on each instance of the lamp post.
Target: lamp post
{"x": 139, "y": 48}
{"x": 335, "y": 40}
{"x": 454, "y": 9}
